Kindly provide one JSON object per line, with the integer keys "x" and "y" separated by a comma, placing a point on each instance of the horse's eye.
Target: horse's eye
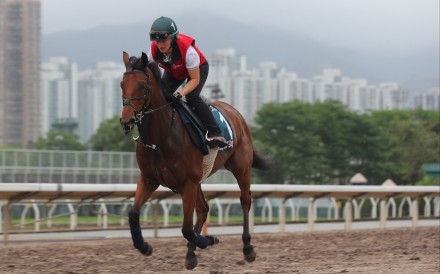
{"x": 143, "y": 85}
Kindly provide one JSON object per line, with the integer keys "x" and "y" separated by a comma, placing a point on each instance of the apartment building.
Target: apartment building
{"x": 428, "y": 100}
{"x": 99, "y": 96}
{"x": 20, "y": 33}
{"x": 59, "y": 87}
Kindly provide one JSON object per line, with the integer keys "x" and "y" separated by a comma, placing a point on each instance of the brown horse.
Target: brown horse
{"x": 167, "y": 156}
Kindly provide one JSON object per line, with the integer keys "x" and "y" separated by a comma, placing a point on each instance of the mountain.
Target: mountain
{"x": 415, "y": 70}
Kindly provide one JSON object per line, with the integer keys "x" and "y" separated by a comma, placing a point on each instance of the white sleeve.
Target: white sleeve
{"x": 192, "y": 58}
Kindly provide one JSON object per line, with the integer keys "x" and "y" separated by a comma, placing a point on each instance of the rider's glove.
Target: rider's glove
{"x": 177, "y": 95}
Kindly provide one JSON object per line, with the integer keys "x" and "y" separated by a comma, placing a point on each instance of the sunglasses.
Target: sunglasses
{"x": 159, "y": 36}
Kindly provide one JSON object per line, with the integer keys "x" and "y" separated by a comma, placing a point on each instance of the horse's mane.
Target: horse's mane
{"x": 136, "y": 64}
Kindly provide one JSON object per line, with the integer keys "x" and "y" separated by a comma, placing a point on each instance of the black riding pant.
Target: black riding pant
{"x": 193, "y": 99}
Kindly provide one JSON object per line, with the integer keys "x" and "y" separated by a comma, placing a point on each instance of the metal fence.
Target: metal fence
{"x": 76, "y": 167}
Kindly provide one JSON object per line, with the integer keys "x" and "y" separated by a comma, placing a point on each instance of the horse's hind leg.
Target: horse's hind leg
{"x": 202, "y": 209}
{"x": 243, "y": 177}
{"x": 143, "y": 193}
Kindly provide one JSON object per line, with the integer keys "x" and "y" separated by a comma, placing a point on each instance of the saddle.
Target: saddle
{"x": 196, "y": 129}
{"x": 192, "y": 123}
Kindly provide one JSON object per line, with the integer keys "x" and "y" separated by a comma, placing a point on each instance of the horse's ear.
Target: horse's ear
{"x": 125, "y": 58}
{"x": 144, "y": 59}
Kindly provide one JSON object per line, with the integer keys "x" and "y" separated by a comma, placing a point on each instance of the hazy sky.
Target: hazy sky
{"x": 366, "y": 24}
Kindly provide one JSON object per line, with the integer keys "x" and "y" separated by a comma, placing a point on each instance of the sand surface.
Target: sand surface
{"x": 399, "y": 251}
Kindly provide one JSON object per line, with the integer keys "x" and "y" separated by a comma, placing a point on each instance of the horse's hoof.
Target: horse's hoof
{"x": 212, "y": 240}
{"x": 190, "y": 261}
{"x": 146, "y": 249}
{"x": 249, "y": 254}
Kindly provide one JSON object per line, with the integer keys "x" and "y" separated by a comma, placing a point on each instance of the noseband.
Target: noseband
{"x": 127, "y": 101}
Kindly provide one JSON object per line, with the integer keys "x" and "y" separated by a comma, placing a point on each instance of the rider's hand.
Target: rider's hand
{"x": 177, "y": 95}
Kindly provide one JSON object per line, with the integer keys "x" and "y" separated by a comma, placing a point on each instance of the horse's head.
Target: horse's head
{"x": 136, "y": 90}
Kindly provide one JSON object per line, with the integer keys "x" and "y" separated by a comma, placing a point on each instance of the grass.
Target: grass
{"x": 116, "y": 219}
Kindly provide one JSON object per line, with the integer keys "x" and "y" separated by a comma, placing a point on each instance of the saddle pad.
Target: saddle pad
{"x": 224, "y": 127}
{"x": 198, "y": 135}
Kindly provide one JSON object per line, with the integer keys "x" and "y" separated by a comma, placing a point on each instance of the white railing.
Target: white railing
{"x": 352, "y": 196}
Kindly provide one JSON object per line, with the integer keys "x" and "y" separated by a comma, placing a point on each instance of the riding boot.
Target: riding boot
{"x": 214, "y": 135}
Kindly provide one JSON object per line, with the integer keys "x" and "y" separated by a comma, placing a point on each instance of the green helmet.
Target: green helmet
{"x": 163, "y": 28}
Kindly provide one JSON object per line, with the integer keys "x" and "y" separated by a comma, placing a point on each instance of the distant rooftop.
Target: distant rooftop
{"x": 358, "y": 178}
{"x": 431, "y": 170}
{"x": 389, "y": 182}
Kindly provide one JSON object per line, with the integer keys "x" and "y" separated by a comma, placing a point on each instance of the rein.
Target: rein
{"x": 139, "y": 116}
{"x": 127, "y": 101}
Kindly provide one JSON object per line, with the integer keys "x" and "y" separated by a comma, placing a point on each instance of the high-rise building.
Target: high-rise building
{"x": 246, "y": 92}
{"x": 428, "y": 100}
{"x": 99, "y": 96}
{"x": 291, "y": 87}
{"x": 222, "y": 65}
{"x": 59, "y": 82}
{"x": 19, "y": 72}
{"x": 393, "y": 96}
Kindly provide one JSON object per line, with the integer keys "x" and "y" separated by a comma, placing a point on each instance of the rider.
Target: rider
{"x": 182, "y": 60}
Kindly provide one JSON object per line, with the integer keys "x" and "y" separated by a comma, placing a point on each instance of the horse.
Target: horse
{"x": 167, "y": 156}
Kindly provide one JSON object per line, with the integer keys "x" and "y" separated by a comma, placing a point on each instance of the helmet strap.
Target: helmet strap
{"x": 174, "y": 33}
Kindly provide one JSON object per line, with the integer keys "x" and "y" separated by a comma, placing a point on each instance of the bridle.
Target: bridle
{"x": 143, "y": 112}
{"x": 127, "y": 101}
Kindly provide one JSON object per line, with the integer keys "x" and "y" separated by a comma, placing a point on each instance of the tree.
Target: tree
{"x": 319, "y": 144}
{"x": 352, "y": 143}
{"x": 110, "y": 137}
{"x": 59, "y": 140}
{"x": 286, "y": 131}
{"x": 368, "y": 149}
{"x": 414, "y": 140}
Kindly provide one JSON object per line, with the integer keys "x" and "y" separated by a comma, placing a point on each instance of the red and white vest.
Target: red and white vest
{"x": 178, "y": 68}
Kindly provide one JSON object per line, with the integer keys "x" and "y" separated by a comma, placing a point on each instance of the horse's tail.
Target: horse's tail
{"x": 260, "y": 162}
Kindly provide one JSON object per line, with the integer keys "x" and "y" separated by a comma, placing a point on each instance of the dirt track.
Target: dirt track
{"x": 361, "y": 251}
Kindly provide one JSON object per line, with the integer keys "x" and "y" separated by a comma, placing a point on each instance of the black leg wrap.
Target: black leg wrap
{"x": 197, "y": 239}
{"x": 201, "y": 242}
{"x": 246, "y": 239}
{"x": 212, "y": 240}
{"x": 189, "y": 235}
{"x": 248, "y": 249}
{"x": 136, "y": 234}
{"x": 191, "y": 258}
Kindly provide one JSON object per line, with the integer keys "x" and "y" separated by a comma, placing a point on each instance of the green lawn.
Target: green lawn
{"x": 116, "y": 219}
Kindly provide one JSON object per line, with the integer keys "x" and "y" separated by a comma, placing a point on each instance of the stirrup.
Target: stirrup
{"x": 215, "y": 141}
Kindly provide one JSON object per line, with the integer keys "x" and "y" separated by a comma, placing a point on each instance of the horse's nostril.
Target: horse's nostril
{"x": 127, "y": 125}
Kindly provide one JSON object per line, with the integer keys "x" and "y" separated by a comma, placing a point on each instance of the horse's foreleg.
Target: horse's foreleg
{"x": 143, "y": 193}
{"x": 202, "y": 209}
{"x": 189, "y": 200}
